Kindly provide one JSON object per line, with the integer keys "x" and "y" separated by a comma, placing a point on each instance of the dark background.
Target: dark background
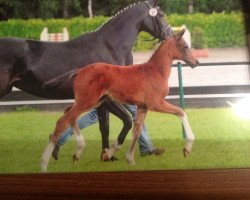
{"x": 45, "y": 9}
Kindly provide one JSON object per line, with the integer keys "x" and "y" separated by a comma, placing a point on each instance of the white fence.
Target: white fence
{"x": 54, "y": 37}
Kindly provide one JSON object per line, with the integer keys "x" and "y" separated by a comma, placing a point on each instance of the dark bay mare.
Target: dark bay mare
{"x": 28, "y": 64}
{"x": 147, "y": 88}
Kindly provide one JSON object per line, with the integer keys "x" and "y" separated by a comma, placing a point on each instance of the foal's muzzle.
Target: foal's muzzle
{"x": 194, "y": 64}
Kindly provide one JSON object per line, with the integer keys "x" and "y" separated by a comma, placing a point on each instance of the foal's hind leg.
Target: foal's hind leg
{"x": 166, "y": 107}
{"x": 67, "y": 119}
{"x": 138, "y": 124}
{"x": 80, "y": 142}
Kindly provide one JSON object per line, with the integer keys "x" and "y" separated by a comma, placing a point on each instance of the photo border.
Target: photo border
{"x": 171, "y": 184}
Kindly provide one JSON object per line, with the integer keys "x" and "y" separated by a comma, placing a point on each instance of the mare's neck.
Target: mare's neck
{"x": 120, "y": 32}
{"x": 162, "y": 58}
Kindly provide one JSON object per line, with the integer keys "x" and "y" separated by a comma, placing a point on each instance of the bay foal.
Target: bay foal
{"x": 145, "y": 85}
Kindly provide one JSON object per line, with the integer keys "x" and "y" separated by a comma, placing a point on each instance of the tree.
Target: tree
{"x": 191, "y": 6}
{"x": 90, "y": 8}
{"x": 65, "y": 9}
{"x": 45, "y": 9}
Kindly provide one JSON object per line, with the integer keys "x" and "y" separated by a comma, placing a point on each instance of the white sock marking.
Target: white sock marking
{"x": 113, "y": 149}
{"x": 46, "y": 156}
{"x": 80, "y": 145}
{"x": 189, "y": 133}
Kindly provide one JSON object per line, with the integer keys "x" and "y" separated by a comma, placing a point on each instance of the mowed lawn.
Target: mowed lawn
{"x": 222, "y": 141}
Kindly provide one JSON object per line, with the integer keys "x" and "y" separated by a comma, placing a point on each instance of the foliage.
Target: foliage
{"x": 220, "y": 29}
{"x": 32, "y": 28}
{"x": 198, "y": 38}
{"x": 45, "y": 9}
{"x": 210, "y": 6}
{"x": 26, "y": 108}
{"x": 204, "y": 6}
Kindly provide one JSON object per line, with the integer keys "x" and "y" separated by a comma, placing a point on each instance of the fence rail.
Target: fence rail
{"x": 195, "y": 96}
{"x": 215, "y": 64}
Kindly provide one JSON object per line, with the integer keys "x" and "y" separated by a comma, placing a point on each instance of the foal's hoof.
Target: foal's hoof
{"x": 75, "y": 159}
{"x": 131, "y": 162}
{"x": 44, "y": 166}
{"x": 105, "y": 157}
{"x": 186, "y": 152}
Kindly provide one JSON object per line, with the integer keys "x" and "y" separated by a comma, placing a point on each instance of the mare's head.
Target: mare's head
{"x": 181, "y": 50}
{"x": 155, "y": 22}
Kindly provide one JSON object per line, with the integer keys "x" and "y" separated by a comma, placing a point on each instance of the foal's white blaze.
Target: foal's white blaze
{"x": 80, "y": 145}
{"x": 46, "y": 156}
{"x": 189, "y": 133}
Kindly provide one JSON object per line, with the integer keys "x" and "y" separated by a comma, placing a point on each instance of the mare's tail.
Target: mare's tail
{"x": 60, "y": 79}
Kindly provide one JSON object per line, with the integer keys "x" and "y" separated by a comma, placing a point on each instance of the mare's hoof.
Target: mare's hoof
{"x": 75, "y": 159}
{"x": 186, "y": 152}
{"x": 113, "y": 158}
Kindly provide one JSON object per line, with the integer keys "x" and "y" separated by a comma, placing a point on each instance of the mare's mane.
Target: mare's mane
{"x": 111, "y": 19}
{"x": 107, "y": 23}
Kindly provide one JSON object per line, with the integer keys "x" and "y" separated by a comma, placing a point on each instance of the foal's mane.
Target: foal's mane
{"x": 159, "y": 46}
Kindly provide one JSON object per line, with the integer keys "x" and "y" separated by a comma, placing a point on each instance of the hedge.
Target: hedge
{"x": 220, "y": 29}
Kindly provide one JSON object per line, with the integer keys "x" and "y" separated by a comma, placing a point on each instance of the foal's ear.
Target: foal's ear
{"x": 179, "y": 35}
{"x": 153, "y": 3}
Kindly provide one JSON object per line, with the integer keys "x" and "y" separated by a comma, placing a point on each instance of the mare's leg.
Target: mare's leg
{"x": 5, "y": 82}
{"x": 138, "y": 125}
{"x": 166, "y": 107}
{"x": 67, "y": 119}
{"x": 119, "y": 111}
{"x": 103, "y": 117}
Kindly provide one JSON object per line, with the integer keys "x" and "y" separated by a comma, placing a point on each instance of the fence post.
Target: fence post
{"x": 181, "y": 93}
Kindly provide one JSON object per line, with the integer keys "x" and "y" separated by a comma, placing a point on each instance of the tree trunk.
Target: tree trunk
{"x": 65, "y": 9}
{"x": 90, "y": 8}
{"x": 191, "y": 6}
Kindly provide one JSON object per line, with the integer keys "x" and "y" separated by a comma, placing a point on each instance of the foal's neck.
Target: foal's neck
{"x": 162, "y": 58}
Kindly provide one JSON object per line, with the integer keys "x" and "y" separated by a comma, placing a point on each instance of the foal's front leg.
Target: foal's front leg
{"x": 138, "y": 124}
{"x": 166, "y": 107}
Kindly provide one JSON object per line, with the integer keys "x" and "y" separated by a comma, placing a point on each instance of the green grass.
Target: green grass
{"x": 222, "y": 141}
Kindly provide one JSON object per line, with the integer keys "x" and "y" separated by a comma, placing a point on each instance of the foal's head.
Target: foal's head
{"x": 182, "y": 52}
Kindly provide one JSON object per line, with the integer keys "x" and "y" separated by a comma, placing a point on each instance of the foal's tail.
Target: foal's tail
{"x": 60, "y": 79}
